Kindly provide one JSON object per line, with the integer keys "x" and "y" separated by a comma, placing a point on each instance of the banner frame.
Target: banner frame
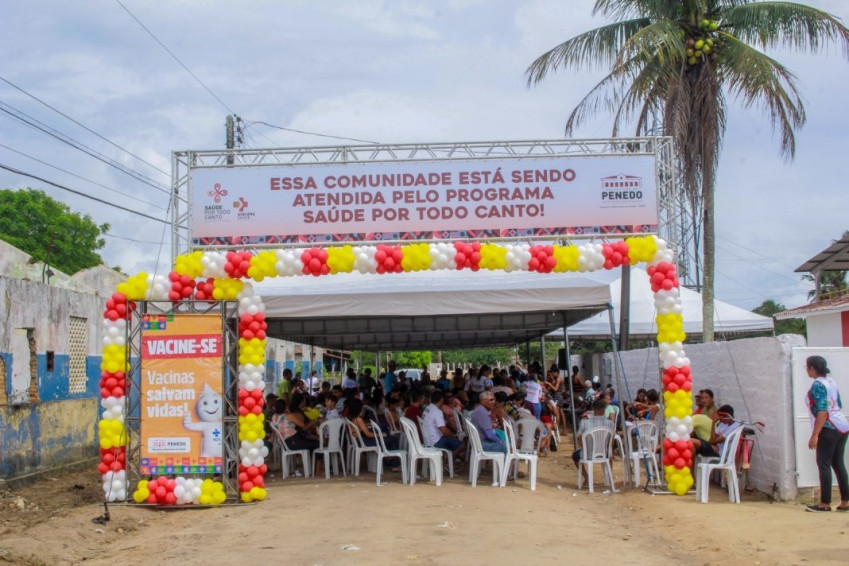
{"x": 228, "y": 311}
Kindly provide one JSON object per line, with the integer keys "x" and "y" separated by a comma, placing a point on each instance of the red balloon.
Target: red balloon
{"x": 161, "y": 492}
{"x": 680, "y": 463}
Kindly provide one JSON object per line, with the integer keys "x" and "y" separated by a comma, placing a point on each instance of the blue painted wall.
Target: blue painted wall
{"x": 60, "y": 429}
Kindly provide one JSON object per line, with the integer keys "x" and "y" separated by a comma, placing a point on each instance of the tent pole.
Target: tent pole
{"x": 542, "y": 353}
{"x": 625, "y": 457}
{"x": 625, "y": 309}
{"x": 571, "y": 385}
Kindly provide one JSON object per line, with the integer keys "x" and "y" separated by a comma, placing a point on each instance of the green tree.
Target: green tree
{"x": 789, "y": 326}
{"x": 48, "y": 231}
{"x": 680, "y": 60}
{"x": 411, "y": 359}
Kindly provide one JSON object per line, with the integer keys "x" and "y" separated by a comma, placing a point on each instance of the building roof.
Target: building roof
{"x": 834, "y": 258}
{"x": 835, "y": 304}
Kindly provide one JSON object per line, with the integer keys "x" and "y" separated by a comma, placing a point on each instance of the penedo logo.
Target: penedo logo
{"x": 621, "y": 190}
{"x": 216, "y": 193}
{"x": 241, "y": 204}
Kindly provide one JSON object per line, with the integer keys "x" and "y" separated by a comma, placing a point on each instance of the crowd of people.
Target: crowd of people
{"x": 484, "y": 395}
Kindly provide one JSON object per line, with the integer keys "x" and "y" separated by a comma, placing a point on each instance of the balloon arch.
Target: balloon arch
{"x": 215, "y": 276}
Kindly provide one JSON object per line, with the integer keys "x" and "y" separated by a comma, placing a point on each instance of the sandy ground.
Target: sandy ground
{"x": 353, "y": 521}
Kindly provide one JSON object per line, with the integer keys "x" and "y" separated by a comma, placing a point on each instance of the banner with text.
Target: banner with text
{"x": 423, "y": 200}
{"x": 181, "y": 402}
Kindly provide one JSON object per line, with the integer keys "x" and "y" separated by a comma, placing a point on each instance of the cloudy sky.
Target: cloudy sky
{"x": 386, "y": 71}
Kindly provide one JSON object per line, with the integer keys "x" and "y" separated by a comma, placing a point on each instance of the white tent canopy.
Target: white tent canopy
{"x": 728, "y": 319}
{"x": 428, "y": 309}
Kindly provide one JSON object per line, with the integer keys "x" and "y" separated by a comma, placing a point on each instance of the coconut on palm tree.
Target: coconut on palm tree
{"x": 681, "y": 60}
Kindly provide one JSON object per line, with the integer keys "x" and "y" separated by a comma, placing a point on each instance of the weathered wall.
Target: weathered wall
{"x": 751, "y": 375}
{"x": 43, "y": 424}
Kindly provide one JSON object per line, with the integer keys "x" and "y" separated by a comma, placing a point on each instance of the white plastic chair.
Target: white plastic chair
{"x": 419, "y": 452}
{"x": 383, "y": 452}
{"x": 596, "y": 448}
{"x": 524, "y": 413}
{"x": 358, "y": 447}
{"x": 726, "y": 463}
{"x": 529, "y": 432}
{"x": 330, "y": 434}
{"x": 429, "y": 443}
{"x": 393, "y": 428}
{"x": 286, "y": 454}
{"x": 514, "y": 457}
{"x": 642, "y": 450}
{"x": 479, "y": 456}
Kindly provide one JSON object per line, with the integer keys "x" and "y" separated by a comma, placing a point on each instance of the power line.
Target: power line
{"x": 132, "y": 239}
{"x": 63, "y": 187}
{"x": 10, "y": 83}
{"x": 310, "y": 133}
{"x": 156, "y": 39}
{"x": 38, "y": 125}
{"x": 83, "y": 178}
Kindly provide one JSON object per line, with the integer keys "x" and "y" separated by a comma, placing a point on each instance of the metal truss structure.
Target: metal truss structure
{"x": 678, "y": 223}
{"x": 132, "y": 410}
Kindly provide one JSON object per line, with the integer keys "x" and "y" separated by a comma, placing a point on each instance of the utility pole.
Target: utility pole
{"x": 231, "y": 138}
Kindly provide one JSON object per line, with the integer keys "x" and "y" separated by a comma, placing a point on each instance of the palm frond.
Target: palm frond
{"x": 658, "y": 40}
{"x": 647, "y": 88}
{"x": 785, "y": 24}
{"x": 597, "y": 48}
{"x": 603, "y": 96}
{"x": 758, "y": 80}
{"x": 653, "y": 9}
{"x": 608, "y": 93}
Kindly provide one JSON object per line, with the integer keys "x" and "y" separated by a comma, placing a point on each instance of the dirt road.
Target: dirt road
{"x": 353, "y": 521}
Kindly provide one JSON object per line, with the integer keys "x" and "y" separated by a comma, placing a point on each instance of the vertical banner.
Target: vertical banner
{"x": 181, "y": 402}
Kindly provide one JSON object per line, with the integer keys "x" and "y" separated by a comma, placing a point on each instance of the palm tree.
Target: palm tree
{"x": 832, "y": 284}
{"x": 679, "y": 60}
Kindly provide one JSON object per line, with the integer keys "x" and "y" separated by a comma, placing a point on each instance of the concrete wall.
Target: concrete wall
{"x": 42, "y": 424}
{"x": 751, "y": 375}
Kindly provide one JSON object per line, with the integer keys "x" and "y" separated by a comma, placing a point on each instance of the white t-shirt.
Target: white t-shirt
{"x": 350, "y": 384}
{"x": 478, "y": 384}
{"x": 532, "y": 391}
{"x": 433, "y": 419}
{"x": 315, "y": 384}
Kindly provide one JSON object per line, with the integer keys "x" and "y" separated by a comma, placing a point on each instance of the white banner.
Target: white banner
{"x": 530, "y": 196}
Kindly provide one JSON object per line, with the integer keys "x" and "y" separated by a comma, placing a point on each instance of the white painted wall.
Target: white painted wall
{"x": 825, "y": 330}
{"x": 751, "y": 375}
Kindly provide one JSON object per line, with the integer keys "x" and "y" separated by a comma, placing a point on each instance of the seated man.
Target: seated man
{"x": 414, "y": 410}
{"x": 482, "y": 419}
{"x": 724, "y": 426}
{"x": 435, "y": 429}
{"x": 595, "y": 420}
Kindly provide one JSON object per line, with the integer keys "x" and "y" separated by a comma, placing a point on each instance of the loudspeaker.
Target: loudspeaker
{"x": 562, "y": 360}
